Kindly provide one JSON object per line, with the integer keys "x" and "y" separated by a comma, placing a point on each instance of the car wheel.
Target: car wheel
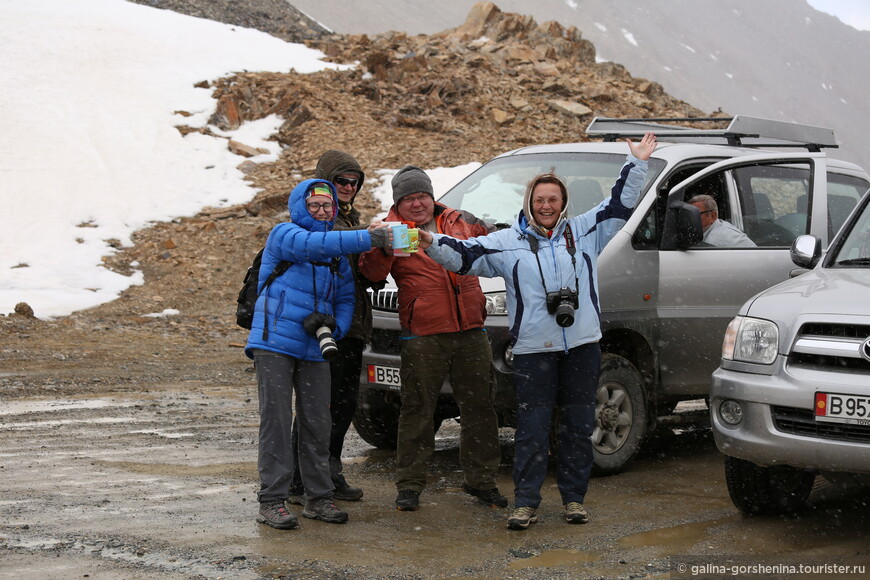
{"x": 620, "y": 415}
{"x": 767, "y": 490}
{"x": 377, "y": 418}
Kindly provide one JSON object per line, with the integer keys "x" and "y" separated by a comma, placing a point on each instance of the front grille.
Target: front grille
{"x": 831, "y": 347}
{"x": 830, "y": 362}
{"x": 861, "y": 331}
{"x": 386, "y": 300}
{"x": 801, "y": 422}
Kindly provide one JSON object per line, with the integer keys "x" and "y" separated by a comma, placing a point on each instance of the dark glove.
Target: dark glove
{"x": 314, "y": 321}
{"x": 329, "y": 322}
{"x": 381, "y": 238}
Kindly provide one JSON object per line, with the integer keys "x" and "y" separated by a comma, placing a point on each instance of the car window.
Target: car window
{"x": 769, "y": 196}
{"x": 716, "y": 186}
{"x": 495, "y": 191}
{"x": 854, "y": 250}
{"x": 843, "y": 195}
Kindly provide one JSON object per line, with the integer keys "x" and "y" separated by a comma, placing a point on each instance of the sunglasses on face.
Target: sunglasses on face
{"x": 345, "y": 181}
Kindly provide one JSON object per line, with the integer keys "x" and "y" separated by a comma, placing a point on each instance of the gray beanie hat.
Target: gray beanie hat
{"x": 410, "y": 180}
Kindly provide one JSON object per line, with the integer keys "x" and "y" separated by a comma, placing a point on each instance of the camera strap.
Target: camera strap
{"x": 572, "y": 250}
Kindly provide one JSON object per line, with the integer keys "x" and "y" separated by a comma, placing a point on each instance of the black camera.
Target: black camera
{"x": 563, "y": 303}
{"x": 328, "y": 348}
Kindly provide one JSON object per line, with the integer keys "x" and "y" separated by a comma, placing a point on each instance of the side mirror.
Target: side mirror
{"x": 806, "y": 251}
{"x": 682, "y": 228}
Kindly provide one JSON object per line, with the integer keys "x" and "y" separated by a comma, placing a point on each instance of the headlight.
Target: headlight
{"x": 496, "y": 304}
{"x": 751, "y": 340}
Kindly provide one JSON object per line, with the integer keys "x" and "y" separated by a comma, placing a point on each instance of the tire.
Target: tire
{"x": 377, "y": 418}
{"x": 774, "y": 490}
{"x": 620, "y": 415}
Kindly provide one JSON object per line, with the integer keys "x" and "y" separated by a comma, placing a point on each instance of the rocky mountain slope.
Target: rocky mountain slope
{"x": 743, "y": 56}
{"x": 497, "y": 82}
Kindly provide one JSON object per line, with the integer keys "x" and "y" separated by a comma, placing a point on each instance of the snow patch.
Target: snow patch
{"x": 629, "y": 37}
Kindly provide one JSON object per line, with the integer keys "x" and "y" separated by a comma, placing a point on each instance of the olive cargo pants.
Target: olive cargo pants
{"x": 426, "y": 360}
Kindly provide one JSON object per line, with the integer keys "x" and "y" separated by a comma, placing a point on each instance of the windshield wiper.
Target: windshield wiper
{"x": 855, "y": 262}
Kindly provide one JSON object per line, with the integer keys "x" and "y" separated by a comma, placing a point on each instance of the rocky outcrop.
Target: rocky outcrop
{"x": 498, "y": 81}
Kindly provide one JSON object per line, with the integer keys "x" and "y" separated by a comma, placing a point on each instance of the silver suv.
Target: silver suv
{"x": 792, "y": 395}
{"x": 666, "y": 298}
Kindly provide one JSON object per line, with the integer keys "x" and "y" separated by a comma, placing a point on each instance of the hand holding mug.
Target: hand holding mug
{"x": 425, "y": 239}
{"x": 381, "y": 235}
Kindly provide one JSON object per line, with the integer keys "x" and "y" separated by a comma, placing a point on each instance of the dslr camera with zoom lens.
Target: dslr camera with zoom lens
{"x": 563, "y": 303}
{"x": 328, "y": 348}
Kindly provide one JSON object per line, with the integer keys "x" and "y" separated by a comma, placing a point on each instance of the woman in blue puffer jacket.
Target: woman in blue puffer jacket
{"x": 549, "y": 264}
{"x": 316, "y": 290}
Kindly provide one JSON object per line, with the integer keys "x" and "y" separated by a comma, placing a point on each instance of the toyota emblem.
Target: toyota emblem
{"x": 865, "y": 349}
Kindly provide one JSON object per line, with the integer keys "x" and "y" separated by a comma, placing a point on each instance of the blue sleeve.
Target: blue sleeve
{"x": 292, "y": 243}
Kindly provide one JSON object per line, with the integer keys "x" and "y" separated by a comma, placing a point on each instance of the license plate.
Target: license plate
{"x": 384, "y": 376}
{"x": 852, "y": 409}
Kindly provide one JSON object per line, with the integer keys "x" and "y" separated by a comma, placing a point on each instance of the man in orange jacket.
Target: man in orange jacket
{"x": 442, "y": 316}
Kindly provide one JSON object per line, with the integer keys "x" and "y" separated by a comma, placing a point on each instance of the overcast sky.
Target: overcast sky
{"x": 855, "y": 13}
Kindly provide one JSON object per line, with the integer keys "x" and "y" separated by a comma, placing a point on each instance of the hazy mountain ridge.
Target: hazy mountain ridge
{"x": 779, "y": 59}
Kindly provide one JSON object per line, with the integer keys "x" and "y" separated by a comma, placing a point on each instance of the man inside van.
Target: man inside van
{"x": 718, "y": 232}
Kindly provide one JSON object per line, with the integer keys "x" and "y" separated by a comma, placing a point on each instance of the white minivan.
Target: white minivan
{"x": 666, "y": 298}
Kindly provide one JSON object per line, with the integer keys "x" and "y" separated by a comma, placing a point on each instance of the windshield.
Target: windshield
{"x": 854, "y": 250}
{"x": 494, "y": 192}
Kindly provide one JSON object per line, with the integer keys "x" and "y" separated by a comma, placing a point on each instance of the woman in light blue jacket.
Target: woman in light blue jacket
{"x": 549, "y": 264}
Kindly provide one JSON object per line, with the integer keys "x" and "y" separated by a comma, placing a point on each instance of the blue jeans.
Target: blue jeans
{"x": 546, "y": 381}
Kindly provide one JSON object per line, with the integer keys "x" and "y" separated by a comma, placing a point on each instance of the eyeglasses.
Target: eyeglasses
{"x": 345, "y": 181}
{"x": 421, "y": 197}
{"x": 316, "y": 207}
{"x": 707, "y": 211}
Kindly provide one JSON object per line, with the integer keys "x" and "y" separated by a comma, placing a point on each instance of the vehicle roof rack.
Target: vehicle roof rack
{"x": 741, "y": 131}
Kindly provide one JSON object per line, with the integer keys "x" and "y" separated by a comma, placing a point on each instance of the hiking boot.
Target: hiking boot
{"x": 408, "y": 500}
{"x": 345, "y": 492}
{"x": 490, "y": 497}
{"x": 522, "y": 518}
{"x": 273, "y": 513}
{"x": 322, "y": 508}
{"x": 575, "y": 514}
{"x": 297, "y": 496}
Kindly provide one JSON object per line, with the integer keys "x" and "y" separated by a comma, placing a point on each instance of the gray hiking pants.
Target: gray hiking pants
{"x": 277, "y": 377}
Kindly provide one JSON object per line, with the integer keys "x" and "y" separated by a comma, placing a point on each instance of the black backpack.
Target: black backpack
{"x": 248, "y": 294}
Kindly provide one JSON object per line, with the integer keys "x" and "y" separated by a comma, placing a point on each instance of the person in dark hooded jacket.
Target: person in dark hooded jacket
{"x": 315, "y": 291}
{"x": 345, "y": 173}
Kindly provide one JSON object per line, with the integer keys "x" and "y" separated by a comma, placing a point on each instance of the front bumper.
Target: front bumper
{"x": 778, "y": 427}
